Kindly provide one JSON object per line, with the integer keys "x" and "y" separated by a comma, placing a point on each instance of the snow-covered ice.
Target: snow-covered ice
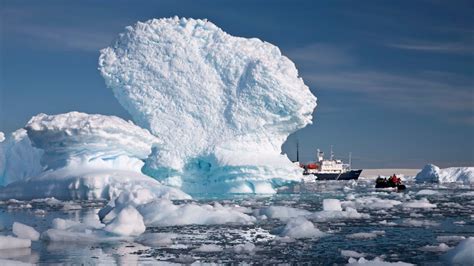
{"x": 375, "y": 262}
{"x": 24, "y": 231}
{"x": 332, "y": 205}
{"x": 432, "y": 173}
{"x": 85, "y": 157}
{"x": 300, "y": 227}
{"x": 222, "y": 105}
{"x": 10, "y": 242}
{"x": 128, "y": 222}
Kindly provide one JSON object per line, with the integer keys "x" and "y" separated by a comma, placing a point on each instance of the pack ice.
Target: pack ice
{"x": 81, "y": 156}
{"x": 432, "y": 173}
{"x": 222, "y": 105}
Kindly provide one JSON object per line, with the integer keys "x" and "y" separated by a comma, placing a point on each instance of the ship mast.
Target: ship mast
{"x": 350, "y": 160}
{"x": 297, "y": 151}
{"x": 332, "y": 154}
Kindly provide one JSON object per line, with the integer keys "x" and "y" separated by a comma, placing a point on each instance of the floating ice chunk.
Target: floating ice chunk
{"x": 332, "y": 205}
{"x": 7, "y": 242}
{"x": 2, "y": 136}
{"x": 208, "y": 248}
{"x": 419, "y": 204}
{"x": 5, "y": 262}
{"x": 419, "y": 223}
{"x": 157, "y": 239}
{"x": 427, "y": 192}
{"x": 282, "y": 212}
{"x": 244, "y": 248}
{"x": 462, "y": 254}
{"x": 384, "y": 222}
{"x": 128, "y": 222}
{"x": 362, "y": 235}
{"x": 372, "y": 203}
{"x": 25, "y": 231}
{"x": 450, "y": 238}
{"x": 19, "y": 160}
{"x": 300, "y": 227}
{"x": 222, "y": 105}
{"x": 432, "y": 173}
{"x": 164, "y": 213}
{"x": 375, "y": 262}
{"x": 439, "y": 248}
{"x": 349, "y": 213}
{"x": 352, "y": 254}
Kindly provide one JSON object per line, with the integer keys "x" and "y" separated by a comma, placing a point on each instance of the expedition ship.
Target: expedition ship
{"x": 331, "y": 169}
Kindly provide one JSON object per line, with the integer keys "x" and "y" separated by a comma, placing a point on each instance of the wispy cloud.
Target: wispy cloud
{"x": 436, "y": 47}
{"x": 71, "y": 34}
{"x": 422, "y": 91}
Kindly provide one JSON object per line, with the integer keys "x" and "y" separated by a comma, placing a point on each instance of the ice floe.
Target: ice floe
{"x": 24, "y": 231}
{"x": 432, "y": 173}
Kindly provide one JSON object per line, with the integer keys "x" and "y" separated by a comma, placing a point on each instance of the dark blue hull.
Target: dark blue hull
{"x": 349, "y": 175}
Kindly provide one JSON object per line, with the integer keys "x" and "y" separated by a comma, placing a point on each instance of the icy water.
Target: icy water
{"x": 396, "y": 233}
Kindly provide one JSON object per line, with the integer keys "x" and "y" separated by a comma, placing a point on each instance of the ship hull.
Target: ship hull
{"x": 349, "y": 175}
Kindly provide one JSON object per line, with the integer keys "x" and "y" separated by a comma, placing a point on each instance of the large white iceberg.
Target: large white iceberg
{"x": 222, "y": 105}
{"x": 87, "y": 157}
{"x": 432, "y": 173}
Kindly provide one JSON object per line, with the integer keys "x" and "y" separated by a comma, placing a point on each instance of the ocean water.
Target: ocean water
{"x": 402, "y": 233}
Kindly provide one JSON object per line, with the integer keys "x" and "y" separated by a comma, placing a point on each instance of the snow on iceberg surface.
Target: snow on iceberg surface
{"x": 222, "y": 105}
{"x": 87, "y": 157}
{"x": 432, "y": 173}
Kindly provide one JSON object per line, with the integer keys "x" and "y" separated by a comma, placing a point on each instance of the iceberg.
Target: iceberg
{"x": 19, "y": 160}
{"x": 86, "y": 157}
{"x": 221, "y": 105}
{"x": 433, "y": 174}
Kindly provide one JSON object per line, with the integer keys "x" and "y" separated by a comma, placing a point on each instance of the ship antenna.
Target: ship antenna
{"x": 332, "y": 154}
{"x": 350, "y": 160}
{"x": 297, "y": 151}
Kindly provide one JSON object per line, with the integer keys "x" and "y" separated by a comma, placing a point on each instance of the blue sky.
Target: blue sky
{"x": 394, "y": 79}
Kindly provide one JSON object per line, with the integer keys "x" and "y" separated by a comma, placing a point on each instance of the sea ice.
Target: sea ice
{"x": 222, "y": 105}
{"x": 247, "y": 248}
{"x": 128, "y": 222}
{"x": 25, "y": 231}
{"x": 371, "y": 203}
{"x": 5, "y": 262}
{"x": 208, "y": 248}
{"x": 432, "y": 173}
{"x": 157, "y": 239}
{"x": 419, "y": 204}
{"x": 7, "y": 242}
{"x": 300, "y": 227}
{"x": 439, "y": 248}
{"x": 352, "y": 254}
{"x": 363, "y": 235}
{"x": 282, "y": 212}
{"x": 162, "y": 212}
{"x": 332, "y": 205}
{"x": 375, "y": 262}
